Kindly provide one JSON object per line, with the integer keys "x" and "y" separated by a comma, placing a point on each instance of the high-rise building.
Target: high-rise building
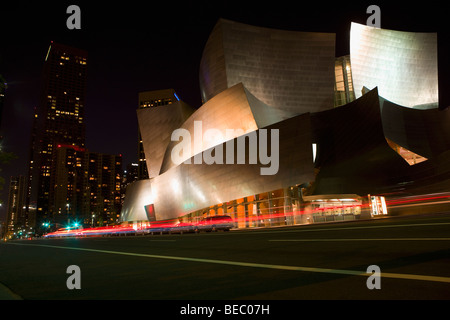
{"x": 85, "y": 187}
{"x": 104, "y": 186}
{"x": 130, "y": 174}
{"x": 16, "y": 203}
{"x": 59, "y": 119}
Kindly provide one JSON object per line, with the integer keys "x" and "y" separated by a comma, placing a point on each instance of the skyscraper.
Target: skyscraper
{"x": 85, "y": 187}
{"x": 59, "y": 118}
{"x": 15, "y": 212}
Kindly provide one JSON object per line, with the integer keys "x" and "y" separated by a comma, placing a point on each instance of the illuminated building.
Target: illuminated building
{"x": 287, "y": 70}
{"x": 151, "y": 99}
{"x": 16, "y": 218}
{"x": 201, "y": 189}
{"x": 86, "y": 187}
{"x": 59, "y": 119}
{"x": 130, "y": 174}
{"x": 335, "y": 157}
{"x": 159, "y": 113}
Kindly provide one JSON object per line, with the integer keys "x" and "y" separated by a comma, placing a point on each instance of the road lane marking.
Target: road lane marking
{"x": 351, "y": 228}
{"x": 253, "y": 265}
{"x": 362, "y": 239}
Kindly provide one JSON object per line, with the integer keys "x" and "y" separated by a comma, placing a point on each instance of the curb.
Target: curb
{"x": 7, "y": 294}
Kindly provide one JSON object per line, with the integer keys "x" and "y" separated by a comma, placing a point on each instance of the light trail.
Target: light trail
{"x": 252, "y": 221}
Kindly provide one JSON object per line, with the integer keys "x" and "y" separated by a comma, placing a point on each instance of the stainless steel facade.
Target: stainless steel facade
{"x": 403, "y": 65}
{"x": 288, "y": 70}
{"x": 156, "y": 126}
{"x": 424, "y": 132}
{"x": 354, "y": 155}
{"x": 242, "y": 76}
{"x": 234, "y": 109}
{"x": 138, "y": 195}
{"x": 153, "y": 99}
{"x": 189, "y": 187}
{"x": 180, "y": 189}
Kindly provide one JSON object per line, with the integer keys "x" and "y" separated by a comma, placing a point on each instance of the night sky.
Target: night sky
{"x": 137, "y": 46}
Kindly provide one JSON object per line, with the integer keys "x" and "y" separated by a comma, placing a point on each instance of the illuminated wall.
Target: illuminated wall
{"x": 155, "y": 129}
{"x": 254, "y": 79}
{"x": 233, "y": 109}
{"x": 403, "y": 65}
{"x": 353, "y": 157}
{"x": 190, "y": 187}
{"x": 179, "y": 189}
{"x": 288, "y": 70}
{"x": 154, "y": 99}
{"x": 138, "y": 195}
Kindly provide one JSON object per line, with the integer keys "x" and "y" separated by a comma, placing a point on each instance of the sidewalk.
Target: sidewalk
{"x": 6, "y": 294}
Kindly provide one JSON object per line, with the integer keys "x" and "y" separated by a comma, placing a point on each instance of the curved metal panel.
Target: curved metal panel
{"x": 425, "y": 132}
{"x": 288, "y": 70}
{"x": 403, "y": 65}
{"x": 138, "y": 196}
{"x": 353, "y": 155}
{"x": 232, "y": 112}
{"x": 156, "y": 126}
{"x": 189, "y": 187}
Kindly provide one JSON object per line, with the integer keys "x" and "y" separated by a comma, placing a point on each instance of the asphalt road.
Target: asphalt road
{"x": 322, "y": 261}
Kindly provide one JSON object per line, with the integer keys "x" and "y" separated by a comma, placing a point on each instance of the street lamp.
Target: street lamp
{"x": 68, "y": 213}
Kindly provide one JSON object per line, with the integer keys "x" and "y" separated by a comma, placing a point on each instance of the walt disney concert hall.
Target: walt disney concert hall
{"x": 288, "y": 133}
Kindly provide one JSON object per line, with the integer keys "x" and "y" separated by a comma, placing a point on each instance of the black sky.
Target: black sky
{"x": 136, "y": 46}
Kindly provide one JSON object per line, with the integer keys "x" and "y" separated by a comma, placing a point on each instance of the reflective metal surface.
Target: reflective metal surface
{"x": 138, "y": 195}
{"x": 156, "y": 126}
{"x": 288, "y": 70}
{"x": 180, "y": 189}
{"x": 235, "y": 110}
{"x": 257, "y": 80}
{"x": 354, "y": 156}
{"x": 403, "y": 65}
{"x": 189, "y": 187}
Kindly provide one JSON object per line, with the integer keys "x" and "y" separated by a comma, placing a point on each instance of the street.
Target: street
{"x": 309, "y": 262}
